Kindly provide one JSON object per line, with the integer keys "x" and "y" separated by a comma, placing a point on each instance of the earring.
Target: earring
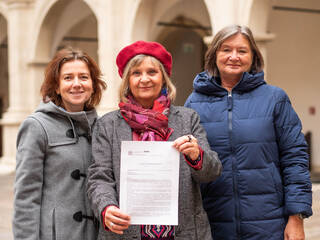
{"x": 164, "y": 91}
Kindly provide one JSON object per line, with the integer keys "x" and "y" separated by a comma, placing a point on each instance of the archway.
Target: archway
{"x": 184, "y": 40}
{"x": 180, "y": 25}
{"x": 4, "y": 91}
{"x": 67, "y": 23}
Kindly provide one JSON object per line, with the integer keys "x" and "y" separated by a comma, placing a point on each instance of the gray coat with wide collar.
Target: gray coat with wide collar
{"x": 104, "y": 173}
{"x": 52, "y": 145}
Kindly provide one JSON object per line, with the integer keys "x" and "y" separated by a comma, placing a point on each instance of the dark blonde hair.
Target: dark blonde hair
{"x": 220, "y": 37}
{"x": 52, "y": 74}
{"x": 136, "y": 61}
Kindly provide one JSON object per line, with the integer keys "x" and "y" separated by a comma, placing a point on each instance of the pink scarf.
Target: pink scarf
{"x": 148, "y": 124}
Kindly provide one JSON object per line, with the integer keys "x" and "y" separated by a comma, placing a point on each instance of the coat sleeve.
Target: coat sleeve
{"x": 294, "y": 160}
{"x": 211, "y": 165}
{"x": 31, "y": 148}
{"x": 101, "y": 186}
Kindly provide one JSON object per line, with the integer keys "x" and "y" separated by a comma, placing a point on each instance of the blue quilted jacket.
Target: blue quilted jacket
{"x": 257, "y": 135}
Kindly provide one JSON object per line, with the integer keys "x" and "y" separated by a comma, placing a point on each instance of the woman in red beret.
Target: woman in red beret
{"x": 146, "y": 114}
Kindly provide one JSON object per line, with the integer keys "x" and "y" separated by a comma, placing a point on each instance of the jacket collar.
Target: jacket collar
{"x": 84, "y": 119}
{"x": 206, "y": 84}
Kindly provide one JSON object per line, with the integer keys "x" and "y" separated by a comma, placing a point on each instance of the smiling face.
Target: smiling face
{"x": 145, "y": 82}
{"x": 75, "y": 85}
{"x": 234, "y": 57}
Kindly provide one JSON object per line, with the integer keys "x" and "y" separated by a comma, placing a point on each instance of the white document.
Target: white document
{"x": 149, "y": 182}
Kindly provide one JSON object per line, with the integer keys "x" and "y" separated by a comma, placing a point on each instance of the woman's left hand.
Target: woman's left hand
{"x": 294, "y": 229}
{"x": 188, "y": 145}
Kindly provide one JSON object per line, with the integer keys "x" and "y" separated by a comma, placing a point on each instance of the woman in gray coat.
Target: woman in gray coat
{"x": 146, "y": 114}
{"x": 54, "y": 152}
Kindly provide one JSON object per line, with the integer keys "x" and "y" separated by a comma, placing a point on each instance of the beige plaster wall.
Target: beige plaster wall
{"x": 293, "y": 63}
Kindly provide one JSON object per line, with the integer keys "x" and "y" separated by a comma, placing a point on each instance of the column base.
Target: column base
{"x": 10, "y": 125}
{"x": 7, "y": 165}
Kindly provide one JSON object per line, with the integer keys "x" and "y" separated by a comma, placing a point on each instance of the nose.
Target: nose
{"x": 76, "y": 81}
{"x": 144, "y": 77}
{"x": 234, "y": 55}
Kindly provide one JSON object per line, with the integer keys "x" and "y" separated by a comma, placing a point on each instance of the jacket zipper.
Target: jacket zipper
{"x": 234, "y": 165}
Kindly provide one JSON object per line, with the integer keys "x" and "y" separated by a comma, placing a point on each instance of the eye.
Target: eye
{"x": 67, "y": 78}
{"x": 243, "y": 51}
{"x": 152, "y": 71}
{"x": 225, "y": 49}
{"x": 135, "y": 73}
{"x": 84, "y": 77}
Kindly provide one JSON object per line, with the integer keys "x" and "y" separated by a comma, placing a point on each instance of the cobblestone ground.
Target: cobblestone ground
{"x": 312, "y": 225}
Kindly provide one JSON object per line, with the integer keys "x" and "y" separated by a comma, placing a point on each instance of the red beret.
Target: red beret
{"x": 153, "y": 49}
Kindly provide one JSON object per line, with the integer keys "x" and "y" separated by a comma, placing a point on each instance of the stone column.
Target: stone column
{"x": 262, "y": 40}
{"x": 19, "y": 24}
{"x": 110, "y": 39}
{"x": 221, "y": 13}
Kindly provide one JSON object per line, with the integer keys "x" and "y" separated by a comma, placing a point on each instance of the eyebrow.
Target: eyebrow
{"x": 71, "y": 73}
{"x": 226, "y": 45}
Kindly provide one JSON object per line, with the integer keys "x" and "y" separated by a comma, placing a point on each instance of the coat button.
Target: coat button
{"x": 76, "y": 174}
{"x": 78, "y": 216}
{"x": 70, "y": 133}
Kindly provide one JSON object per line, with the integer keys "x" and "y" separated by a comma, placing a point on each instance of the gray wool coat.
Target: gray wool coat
{"x": 53, "y": 155}
{"x": 104, "y": 173}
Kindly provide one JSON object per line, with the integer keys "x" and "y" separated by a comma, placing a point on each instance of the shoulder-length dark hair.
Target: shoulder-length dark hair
{"x": 52, "y": 74}
{"x": 220, "y": 37}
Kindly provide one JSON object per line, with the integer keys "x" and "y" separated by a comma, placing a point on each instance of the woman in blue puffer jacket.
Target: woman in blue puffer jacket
{"x": 264, "y": 191}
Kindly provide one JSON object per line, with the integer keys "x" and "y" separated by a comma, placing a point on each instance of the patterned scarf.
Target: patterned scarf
{"x": 149, "y": 124}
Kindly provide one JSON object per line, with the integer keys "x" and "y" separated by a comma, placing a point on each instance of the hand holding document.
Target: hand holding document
{"x": 149, "y": 182}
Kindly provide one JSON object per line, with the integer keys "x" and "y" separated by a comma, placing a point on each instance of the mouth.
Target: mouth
{"x": 233, "y": 65}
{"x": 76, "y": 93}
{"x": 145, "y": 88}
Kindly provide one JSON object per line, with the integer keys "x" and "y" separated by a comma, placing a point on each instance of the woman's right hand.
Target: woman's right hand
{"x": 116, "y": 220}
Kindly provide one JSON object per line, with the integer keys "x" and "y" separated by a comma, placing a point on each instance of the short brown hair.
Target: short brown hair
{"x": 52, "y": 74}
{"x": 220, "y": 37}
{"x": 136, "y": 61}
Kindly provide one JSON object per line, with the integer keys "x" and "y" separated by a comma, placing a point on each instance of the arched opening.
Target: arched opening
{"x": 184, "y": 40}
{"x": 4, "y": 91}
{"x": 67, "y": 23}
{"x": 180, "y": 25}
{"x": 83, "y": 35}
